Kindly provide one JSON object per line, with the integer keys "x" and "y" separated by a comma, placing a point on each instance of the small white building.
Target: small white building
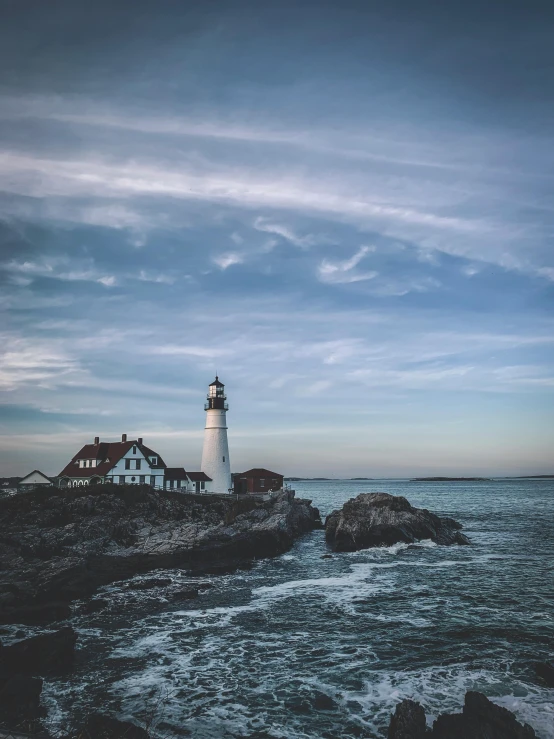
{"x": 34, "y": 479}
{"x": 177, "y": 478}
{"x": 122, "y": 462}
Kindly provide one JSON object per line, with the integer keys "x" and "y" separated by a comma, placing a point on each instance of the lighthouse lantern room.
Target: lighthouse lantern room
{"x": 215, "y": 454}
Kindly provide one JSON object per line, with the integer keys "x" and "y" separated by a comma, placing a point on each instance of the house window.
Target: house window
{"x": 152, "y": 479}
{"x": 154, "y": 460}
{"x": 121, "y": 479}
{"x": 133, "y": 479}
{"x": 81, "y": 463}
{"x": 127, "y": 464}
{"x": 142, "y": 479}
{"x": 137, "y": 464}
{"x": 134, "y": 450}
{"x": 262, "y": 483}
{"x": 202, "y": 485}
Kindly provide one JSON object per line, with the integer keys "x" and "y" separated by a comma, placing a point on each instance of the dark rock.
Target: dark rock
{"x": 326, "y": 556}
{"x": 34, "y": 615}
{"x": 98, "y": 726}
{"x": 94, "y": 605}
{"x": 380, "y": 519}
{"x": 45, "y": 654}
{"x": 153, "y": 582}
{"x": 188, "y": 594}
{"x": 62, "y": 546}
{"x": 408, "y": 721}
{"x": 480, "y": 719}
{"x": 20, "y": 700}
{"x": 545, "y": 670}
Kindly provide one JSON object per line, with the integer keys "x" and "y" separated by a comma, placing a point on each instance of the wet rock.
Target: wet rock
{"x": 34, "y": 615}
{"x": 99, "y": 726}
{"x": 188, "y": 594}
{"x": 380, "y": 519}
{"x": 44, "y": 654}
{"x": 62, "y": 546}
{"x": 153, "y": 582}
{"x": 326, "y": 556}
{"x": 480, "y": 719}
{"x": 94, "y": 605}
{"x": 545, "y": 670}
{"x": 20, "y": 700}
{"x": 408, "y": 721}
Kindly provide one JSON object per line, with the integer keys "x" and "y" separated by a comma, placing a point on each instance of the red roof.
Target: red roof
{"x": 199, "y": 477}
{"x": 106, "y": 454}
{"x": 175, "y": 473}
{"x": 258, "y": 472}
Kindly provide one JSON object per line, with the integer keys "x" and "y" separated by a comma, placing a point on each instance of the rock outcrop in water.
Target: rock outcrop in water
{"x": 480, "y": 719}
{"x": 22, "y": 667}
{"x": 58, "y": 545}
{"x": 380, "y": 519}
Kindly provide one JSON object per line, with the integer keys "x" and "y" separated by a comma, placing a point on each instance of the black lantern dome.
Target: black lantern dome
{"x": 216, "y": 396}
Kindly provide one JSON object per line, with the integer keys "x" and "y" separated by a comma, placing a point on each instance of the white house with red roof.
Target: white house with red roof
{"x": 128, "y": 462}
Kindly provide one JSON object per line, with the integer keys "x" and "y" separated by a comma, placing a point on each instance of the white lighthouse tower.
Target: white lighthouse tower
{"x": 215, "y": 455}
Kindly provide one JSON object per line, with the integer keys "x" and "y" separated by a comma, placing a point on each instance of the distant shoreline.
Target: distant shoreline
{"x": 451, "y": 479}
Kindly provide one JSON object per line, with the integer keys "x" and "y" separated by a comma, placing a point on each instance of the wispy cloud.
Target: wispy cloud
{"x": 57, "y": 268}
{"x": 343, "y": 271}
{"x": 228, "y": 259}
{"x": 261, "y": 224}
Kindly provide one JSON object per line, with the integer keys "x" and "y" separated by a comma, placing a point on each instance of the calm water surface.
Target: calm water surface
{"x": 302, "y": 646}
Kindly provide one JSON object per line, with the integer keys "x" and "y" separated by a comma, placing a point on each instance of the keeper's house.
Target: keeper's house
{"x": 124, "y": 462}
{"x": 128, "y": 462}
{"x": 257, "y": 482}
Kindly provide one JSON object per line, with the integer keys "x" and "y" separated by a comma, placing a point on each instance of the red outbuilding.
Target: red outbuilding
{"x": 257, "y": 481}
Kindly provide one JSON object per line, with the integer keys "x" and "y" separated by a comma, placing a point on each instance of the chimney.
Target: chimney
{"x": 96, "y": 440}
{"x": 123, "y": 437}
{"x": 139, "y": 439}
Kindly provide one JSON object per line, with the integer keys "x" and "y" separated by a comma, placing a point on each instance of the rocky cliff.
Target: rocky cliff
{"x": 57, "y": 545}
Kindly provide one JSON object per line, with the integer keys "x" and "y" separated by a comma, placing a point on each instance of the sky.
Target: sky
{"x": 345, "y": 209}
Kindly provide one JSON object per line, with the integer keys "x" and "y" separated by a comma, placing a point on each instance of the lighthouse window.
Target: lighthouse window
{"x": 224, "y": 459}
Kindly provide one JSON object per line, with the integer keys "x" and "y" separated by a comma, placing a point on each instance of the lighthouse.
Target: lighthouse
{"x": 215, "y": 455}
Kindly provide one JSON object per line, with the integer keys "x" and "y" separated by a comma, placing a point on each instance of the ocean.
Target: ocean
{"x": 302, "y": 646}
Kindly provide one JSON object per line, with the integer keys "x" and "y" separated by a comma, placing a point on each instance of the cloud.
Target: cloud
{"x": 261, "y": 224}
{"x": 343, "y": 271}
{"x": 36, "y": 362}
{"x": 108, "y": 281}
{"x": 162, "y": 279}
{"x": 228, "y": 259}
{"x": 58, "y": 268}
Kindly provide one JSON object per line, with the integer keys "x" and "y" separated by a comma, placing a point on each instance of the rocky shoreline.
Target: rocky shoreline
{"x": 480, "y": 719}
{"x": 60, "y": 545}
